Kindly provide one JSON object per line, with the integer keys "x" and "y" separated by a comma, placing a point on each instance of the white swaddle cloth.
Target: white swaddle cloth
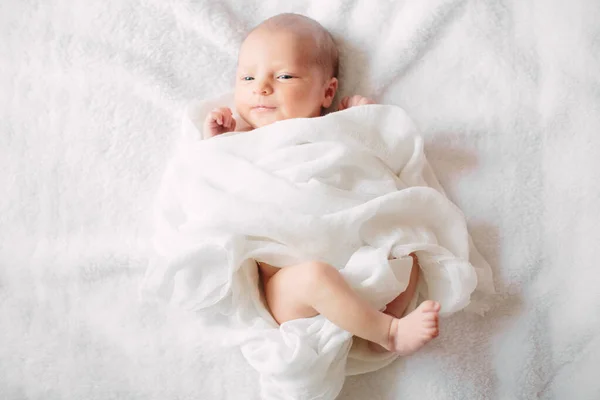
{"x": 352, "y": 189}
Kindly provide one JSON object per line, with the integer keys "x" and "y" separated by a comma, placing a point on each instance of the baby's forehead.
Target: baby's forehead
{"x": 283, "y": 46}
{"x": 294, "y": 40}
{"x": 304, "y": 38}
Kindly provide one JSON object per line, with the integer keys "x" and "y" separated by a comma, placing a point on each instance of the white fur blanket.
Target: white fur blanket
{"x": 505, "y": 96}
{"x": 352, "y": 189}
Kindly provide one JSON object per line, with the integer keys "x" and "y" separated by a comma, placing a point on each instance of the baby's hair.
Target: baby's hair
{"x": 327, "y": 55}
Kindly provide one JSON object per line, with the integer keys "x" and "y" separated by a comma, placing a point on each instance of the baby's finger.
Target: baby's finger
{"x": 344, "y": 103}
{"x": 217, "y": 116}
{"x": 354, "y": 100}
{"x": 227, "y": 123}
{"x": 233, "y": 124}
{"x": 214, "y": 116}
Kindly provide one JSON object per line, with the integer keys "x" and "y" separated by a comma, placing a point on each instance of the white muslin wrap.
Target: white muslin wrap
{"x": 353, "y": 189}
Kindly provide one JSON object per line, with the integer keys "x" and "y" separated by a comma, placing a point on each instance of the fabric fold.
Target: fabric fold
{"x": 352, "y": 189}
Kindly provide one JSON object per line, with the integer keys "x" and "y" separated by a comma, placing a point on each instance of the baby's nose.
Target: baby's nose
{"x": 263, "y": 89}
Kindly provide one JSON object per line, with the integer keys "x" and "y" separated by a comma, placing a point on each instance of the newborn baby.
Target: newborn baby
{"x": 287, "y": 68}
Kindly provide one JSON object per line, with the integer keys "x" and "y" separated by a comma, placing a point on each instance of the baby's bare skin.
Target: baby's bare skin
{"x": 309, "y": 289}
{"x": 276, "y": 82}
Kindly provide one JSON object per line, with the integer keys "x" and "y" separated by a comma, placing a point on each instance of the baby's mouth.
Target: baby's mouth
{"x": 262, "y": 108}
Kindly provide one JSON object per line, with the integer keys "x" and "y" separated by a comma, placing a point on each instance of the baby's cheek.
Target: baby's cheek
{"x": 244, "y": 114}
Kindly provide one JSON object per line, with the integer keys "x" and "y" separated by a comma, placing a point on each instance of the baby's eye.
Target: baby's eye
{"x": 247, "y": 78}
{"x": 285, "y": 76}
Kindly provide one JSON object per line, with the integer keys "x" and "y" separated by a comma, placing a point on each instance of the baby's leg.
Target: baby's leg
{"x": 313, "y": 288}
{"x": 398, "y": 306}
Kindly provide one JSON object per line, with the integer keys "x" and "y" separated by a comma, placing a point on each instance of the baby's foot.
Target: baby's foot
{"x": 412, "y": 332}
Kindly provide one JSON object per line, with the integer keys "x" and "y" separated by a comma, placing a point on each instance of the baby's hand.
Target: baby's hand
{"x": 218, "y": 121}
{"x": 356, "y": 100}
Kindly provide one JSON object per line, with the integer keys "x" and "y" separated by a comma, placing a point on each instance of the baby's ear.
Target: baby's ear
{"x": 330, "y": 91}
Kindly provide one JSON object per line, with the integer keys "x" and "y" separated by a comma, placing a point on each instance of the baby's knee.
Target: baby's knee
{"x": 316, "y": 273}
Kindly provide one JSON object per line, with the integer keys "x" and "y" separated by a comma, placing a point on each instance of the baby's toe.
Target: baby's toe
{"x": 430, "y": 323}
{"x": 430, "y": 306}
{"x": 432, "y": 331}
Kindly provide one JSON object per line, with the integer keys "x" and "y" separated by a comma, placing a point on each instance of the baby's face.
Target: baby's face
{"x": 277, "y": 79}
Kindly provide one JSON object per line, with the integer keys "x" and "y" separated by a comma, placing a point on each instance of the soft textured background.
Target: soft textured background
{"x": 507, "y": 94}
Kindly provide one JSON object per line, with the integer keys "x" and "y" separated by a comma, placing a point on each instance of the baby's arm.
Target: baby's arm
{"x": 353, "y": 101}
{"x": 218, "y": 121}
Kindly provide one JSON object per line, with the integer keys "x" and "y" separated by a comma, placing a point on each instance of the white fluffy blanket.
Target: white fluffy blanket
{"x": 352, "y": 189}
{"x": 505, "y": 96}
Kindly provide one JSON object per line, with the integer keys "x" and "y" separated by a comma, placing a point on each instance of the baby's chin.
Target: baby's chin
{"x": 259, "y": 124}
{"x": 259, "y": 121}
